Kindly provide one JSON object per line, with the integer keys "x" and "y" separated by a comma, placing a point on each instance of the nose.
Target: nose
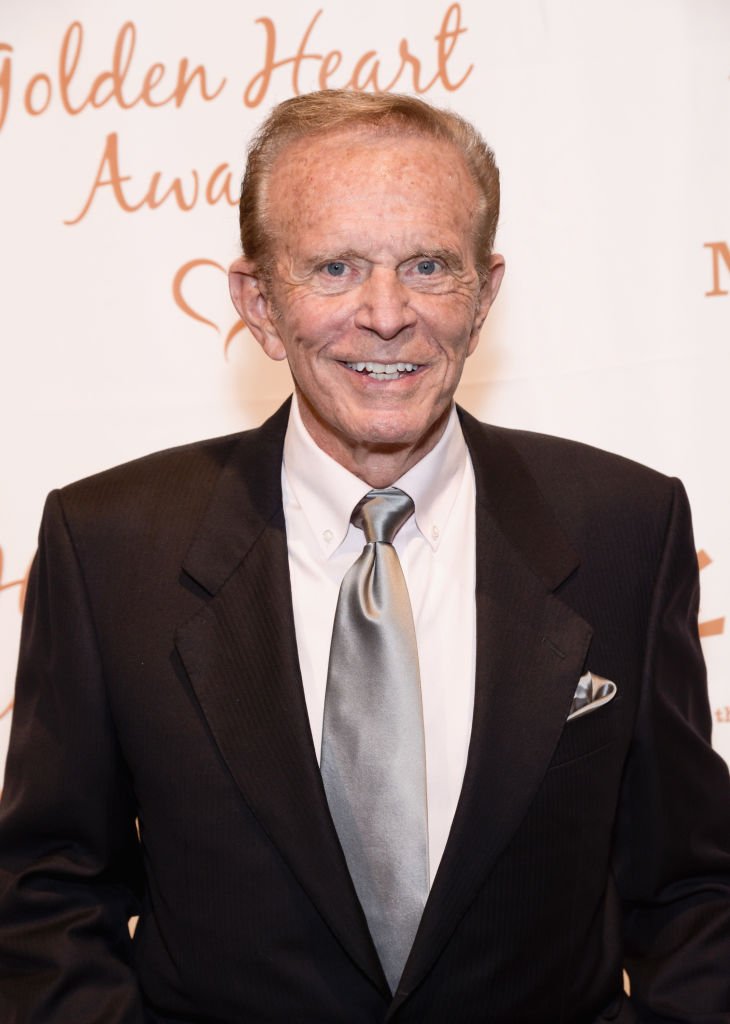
{"x": 384, "y": 305}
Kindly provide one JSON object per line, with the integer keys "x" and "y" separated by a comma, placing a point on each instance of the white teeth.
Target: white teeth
{"x": 383, "y": 371}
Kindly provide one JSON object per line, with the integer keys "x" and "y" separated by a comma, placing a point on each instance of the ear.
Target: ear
{"x": 252, "y": 304}
{"x": 487, "y": 295}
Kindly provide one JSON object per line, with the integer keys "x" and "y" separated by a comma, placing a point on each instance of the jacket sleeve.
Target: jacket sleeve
{"x": 673, "y": 836}
{"x": 70, "y": 866}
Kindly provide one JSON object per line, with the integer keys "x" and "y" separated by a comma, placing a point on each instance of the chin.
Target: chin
{"x": 391, "y": 435}
{"x": 397, "y": 426}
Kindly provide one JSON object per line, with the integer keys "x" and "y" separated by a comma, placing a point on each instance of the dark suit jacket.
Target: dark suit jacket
{"x": 159, "y": 680}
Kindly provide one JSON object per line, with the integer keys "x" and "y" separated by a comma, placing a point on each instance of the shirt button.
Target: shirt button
{"x": 435, "y": 532}
{"x": 327, "y": 536}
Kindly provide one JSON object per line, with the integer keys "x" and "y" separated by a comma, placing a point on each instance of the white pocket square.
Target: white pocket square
{"x": 592, "y": 692}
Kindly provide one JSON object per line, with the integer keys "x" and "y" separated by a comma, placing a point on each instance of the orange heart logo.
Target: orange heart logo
{"x": 180, "y": 300}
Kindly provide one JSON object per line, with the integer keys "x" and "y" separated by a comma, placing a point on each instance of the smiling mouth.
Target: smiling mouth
{"x": 384, "y": 371}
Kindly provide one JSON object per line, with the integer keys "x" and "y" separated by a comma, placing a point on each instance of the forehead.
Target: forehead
{"x": 369, "y": 181}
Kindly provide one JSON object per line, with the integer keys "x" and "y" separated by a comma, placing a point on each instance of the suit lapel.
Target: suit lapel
{"x": 240, "y": 655}
{"x": 531, "y": 649}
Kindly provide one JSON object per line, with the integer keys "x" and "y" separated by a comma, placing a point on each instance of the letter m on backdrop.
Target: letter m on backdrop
{"x": 720, "y": 255}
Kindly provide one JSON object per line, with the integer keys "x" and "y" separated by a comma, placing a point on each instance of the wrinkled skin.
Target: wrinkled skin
{"x": 374, "y": 248}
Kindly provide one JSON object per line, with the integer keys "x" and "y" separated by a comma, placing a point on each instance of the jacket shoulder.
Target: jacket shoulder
{"x": 178, "y": 476}
{"x": 569, "y": 471}
{"x": 179, "y": 479}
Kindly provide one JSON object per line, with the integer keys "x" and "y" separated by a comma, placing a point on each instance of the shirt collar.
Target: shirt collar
{"x": 434, "y": 481}
{"x": 327, "y": 493}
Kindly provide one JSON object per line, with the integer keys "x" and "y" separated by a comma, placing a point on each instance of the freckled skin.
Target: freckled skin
{"x": 374, "y": 261}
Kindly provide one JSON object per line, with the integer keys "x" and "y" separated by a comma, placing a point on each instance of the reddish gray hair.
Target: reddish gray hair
{"x": 337, "y": 110}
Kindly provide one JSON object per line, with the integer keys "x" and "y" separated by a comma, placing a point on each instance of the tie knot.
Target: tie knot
{"x": 381, "y": 513}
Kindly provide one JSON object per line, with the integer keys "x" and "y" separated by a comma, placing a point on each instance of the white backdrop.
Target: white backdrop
{"x": 122, "y": 134}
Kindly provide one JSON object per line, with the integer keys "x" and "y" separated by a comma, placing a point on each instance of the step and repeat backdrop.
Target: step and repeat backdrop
{"x": 123, "y": 128}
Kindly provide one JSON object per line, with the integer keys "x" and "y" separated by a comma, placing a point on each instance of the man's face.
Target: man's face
{"x": 374, "y": 298}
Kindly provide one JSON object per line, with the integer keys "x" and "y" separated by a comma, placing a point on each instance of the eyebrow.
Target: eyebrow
{"x": 333, "y": 256}
{"x": 447, "y": 256}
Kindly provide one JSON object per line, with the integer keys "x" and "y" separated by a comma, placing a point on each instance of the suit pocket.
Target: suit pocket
{"x": 588, "y": 733}
{"x": 621, "y": 1011}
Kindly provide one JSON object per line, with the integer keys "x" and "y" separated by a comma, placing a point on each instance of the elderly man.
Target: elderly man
{"x": 410, "y": 711}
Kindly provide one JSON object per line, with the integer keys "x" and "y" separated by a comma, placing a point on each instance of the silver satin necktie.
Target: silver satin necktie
{"x": 373, "y": 753}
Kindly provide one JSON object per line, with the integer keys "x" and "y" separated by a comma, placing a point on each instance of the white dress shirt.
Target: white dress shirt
{"x": 436, "y": 548}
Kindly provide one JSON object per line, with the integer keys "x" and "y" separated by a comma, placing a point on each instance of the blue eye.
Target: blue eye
{"x": 335, "y": 268}
{"x": 426, "y": 267}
